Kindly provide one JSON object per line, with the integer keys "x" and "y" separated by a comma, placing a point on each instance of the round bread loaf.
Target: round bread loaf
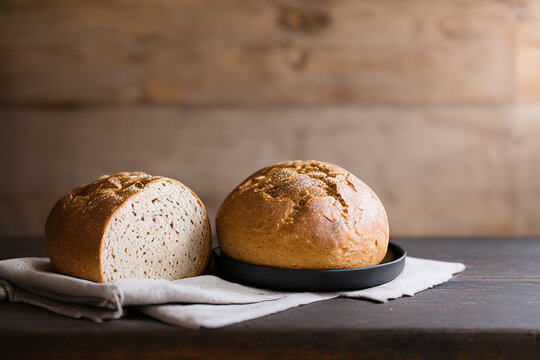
{"x": 129, "y": 225}
{"x": 303, "y": 215}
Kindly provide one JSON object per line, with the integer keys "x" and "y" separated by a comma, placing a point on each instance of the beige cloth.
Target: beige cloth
{"x": 207, "y": 300}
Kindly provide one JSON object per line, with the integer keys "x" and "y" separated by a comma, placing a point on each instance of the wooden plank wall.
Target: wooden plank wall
{"x": 434, "y": 104}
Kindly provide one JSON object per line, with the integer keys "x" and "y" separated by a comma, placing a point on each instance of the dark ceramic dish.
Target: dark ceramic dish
{"x": 312, "y": 280}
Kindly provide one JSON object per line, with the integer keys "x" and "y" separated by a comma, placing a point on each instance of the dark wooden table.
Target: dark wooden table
{"x": 490, "y": 311}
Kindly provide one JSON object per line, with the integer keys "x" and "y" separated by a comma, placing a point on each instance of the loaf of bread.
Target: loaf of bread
{"x": 303, "y": 215}
{"x": 129, "y": 225}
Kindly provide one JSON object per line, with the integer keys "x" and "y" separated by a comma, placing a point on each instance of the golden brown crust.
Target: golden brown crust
{"x": 304, "y": 215}
{"x": 75, "y": 226}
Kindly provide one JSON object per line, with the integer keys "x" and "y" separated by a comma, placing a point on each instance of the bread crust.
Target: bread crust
{"x": 303, "y": 215}
{"x": 75, "y": 226}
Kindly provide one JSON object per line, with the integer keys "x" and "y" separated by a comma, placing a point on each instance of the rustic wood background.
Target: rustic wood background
{"x": 434, "y": 104}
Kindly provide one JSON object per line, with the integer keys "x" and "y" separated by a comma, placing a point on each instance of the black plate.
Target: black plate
{"x": 312, "y": 280}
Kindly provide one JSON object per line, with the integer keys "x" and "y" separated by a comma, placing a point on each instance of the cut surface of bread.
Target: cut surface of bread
{"x": 159, "y": 233}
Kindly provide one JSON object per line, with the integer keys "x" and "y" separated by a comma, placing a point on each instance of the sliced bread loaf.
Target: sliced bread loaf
{"x": 129, "y": 225}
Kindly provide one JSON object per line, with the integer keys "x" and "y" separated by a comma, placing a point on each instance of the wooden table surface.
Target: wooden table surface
{"x": 491, "y": 311}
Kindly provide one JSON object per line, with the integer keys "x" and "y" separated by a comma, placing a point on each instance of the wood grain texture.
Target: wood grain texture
{"x": 430, "y": 170}
{"x": 527, "y": 169}
{"x": 438, "y": 96}
{"x": 486, "y": 312}
{"x": 527, "y": 52}
{"x": 233, "y": 52}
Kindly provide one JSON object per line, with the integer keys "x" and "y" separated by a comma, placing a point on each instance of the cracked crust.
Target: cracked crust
{"x": 303, "y": 215}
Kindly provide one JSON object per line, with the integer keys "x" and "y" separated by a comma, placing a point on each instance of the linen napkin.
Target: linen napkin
{"x": 207, "y": 300}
